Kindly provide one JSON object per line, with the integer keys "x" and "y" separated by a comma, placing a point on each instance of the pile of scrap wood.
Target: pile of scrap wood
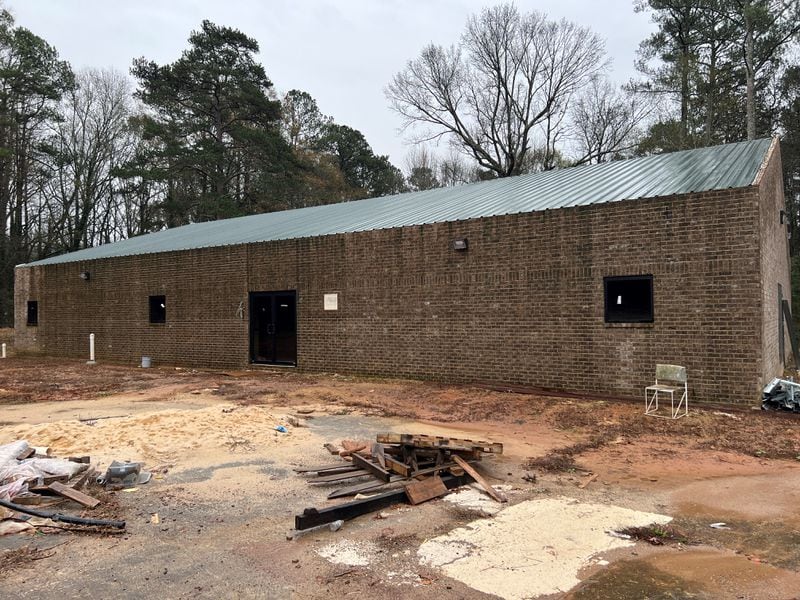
{"x": 31, "y": 479}
{"x": 400, "y": 467}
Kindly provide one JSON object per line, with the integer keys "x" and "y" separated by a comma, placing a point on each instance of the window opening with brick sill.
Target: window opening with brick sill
{"x": 33, "y": 313}
{"x": 158, "y": 309}
{"x": 628, "y": 300}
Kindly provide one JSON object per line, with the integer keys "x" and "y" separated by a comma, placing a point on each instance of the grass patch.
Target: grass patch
{"x": 657, "y": 535}
{"x": 562, "y": 460}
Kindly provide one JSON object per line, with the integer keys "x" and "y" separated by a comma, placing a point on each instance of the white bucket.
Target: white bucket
{"x": 145, "y": 362}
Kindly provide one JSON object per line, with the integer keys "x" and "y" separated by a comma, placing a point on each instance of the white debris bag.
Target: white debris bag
{"x": 54, "y": 466}
{"x": 32, "y": 469}
{"x": 11, "y": 452}
{"x": 13, "y": 489}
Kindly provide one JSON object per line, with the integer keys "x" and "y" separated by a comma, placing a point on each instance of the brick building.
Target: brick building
{"x": 580, "y": 279}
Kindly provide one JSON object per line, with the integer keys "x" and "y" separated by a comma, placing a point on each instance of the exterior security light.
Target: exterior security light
{"x": 460, "y": 244}
{"x": 85, "y": 275}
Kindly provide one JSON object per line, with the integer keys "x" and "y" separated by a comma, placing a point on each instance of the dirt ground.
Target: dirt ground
{"x": 225, "y": 492}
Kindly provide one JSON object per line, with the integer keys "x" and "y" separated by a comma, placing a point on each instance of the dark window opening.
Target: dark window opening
{"x": 158, "y": 309}
{"x": 33, "y": 312}
{"x": 629, "y": 299}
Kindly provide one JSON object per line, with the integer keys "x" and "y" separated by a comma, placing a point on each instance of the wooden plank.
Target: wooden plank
{"x": 371, "y": 486}
{"x": 81, "y": 481}
{"x": 313, "y": 517}
{"x": 363, "y": 488}
{"x": 499, "y": 496}
{"x": 425, "y": 489}
{"x": 340, "y": 468}
{"x": 396, "y": 466}
{"x": 85, "y": 460}
{"x": 378, "y": 454}
{"x": 37, "y": 500}
{"x": 588, "y": 481}
{"x": 435, "y": 441}
{"x": 75, "y": 495}
{"x": 375, "y": 469}
{"x": 339, "y": 477}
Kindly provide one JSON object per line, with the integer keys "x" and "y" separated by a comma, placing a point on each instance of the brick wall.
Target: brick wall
{"x": 524, "y": 305}
{"x": 775, "y": 270}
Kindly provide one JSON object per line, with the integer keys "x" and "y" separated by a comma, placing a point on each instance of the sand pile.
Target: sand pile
{"x": 533, "y": 548}
{"x": 162, "y": 436}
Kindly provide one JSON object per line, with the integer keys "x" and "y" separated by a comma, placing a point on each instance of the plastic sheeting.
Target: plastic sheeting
{"x": 16, "y": 474}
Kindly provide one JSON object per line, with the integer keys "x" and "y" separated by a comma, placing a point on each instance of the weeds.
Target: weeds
{"x": 657, "y": 535}
{"x": 20, "y": 557}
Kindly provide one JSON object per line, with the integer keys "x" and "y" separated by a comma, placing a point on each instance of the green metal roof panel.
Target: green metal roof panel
{"x": 703, "y": 169}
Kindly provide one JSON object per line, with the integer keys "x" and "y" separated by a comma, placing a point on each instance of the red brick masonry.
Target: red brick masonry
{"x": 524, "y": 305}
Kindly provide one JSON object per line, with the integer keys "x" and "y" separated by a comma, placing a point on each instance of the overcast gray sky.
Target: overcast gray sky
{"x": 342, "y": 52}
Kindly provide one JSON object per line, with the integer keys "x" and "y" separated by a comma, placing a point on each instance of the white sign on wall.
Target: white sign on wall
{"x": 331, "y": 301}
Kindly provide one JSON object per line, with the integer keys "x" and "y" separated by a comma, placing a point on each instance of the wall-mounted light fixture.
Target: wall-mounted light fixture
{"x": 783, "y": 217}
{"x": 85, "y": 275}
{"x": 460, "y": 244}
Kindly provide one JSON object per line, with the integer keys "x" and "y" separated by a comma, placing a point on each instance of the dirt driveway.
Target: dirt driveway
{"x": 225, "y": 491}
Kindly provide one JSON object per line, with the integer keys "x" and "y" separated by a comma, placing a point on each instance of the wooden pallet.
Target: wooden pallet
{"x": 435, "y": 441}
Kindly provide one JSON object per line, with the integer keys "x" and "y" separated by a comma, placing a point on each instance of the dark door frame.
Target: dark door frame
{"x": 273, "y": 295}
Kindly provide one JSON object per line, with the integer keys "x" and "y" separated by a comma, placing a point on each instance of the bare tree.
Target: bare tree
{"x": 454, "y": 170}
{"x": 422, "y": 169}
{"x": 510, "y": 73}
{"x": 90, "y": 141}
{"x": 605, "y": 120}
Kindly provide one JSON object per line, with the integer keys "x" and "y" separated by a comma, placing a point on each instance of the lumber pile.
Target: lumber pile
{"x": 397, "y": 467}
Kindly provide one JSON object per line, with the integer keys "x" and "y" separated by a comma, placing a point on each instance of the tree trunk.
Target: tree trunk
{"x": 749, "y": 62}
{"x": 684, "y": 95}
{"x": 711, "y": 95}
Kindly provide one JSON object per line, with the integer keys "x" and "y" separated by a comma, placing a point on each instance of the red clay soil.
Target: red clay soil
{"x": 595, "y": 423}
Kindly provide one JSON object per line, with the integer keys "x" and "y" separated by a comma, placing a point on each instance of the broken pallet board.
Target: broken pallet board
{"x": 342, "y": 467}
{"x": 371, "y": 486}
{"x": 313, "y": 517}
{"x": 395, "y": 465}
{"x": 425, "y": 489}
{"x": 362, "y": 488}
{"x": 375, "y": 469}
{"x": 339, "y": 476}
{"x": 499, "y": 496}
{"x": 75, "y": 495}
{"x": 435, "y": 441}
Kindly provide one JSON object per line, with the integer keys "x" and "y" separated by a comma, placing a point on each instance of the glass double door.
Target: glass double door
{"x": 273, "y": 328}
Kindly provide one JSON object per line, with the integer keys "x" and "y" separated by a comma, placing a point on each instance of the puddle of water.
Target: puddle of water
{"x": 775, "y": 542}
{"x": 635, "y": 579}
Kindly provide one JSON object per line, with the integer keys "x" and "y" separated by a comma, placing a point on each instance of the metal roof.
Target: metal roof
{"x": 704, "y": 169}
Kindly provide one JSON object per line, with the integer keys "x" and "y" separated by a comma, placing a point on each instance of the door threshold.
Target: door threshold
{"x": 273, "y": 365}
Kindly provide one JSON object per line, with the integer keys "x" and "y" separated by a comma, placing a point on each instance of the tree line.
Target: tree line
{"x": 95, "y": 156}
{"x": 92, "y": 157}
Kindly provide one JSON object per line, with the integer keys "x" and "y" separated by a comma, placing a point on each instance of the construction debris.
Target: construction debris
{"x": 402, "y": 468}
{"x": 781, "y": 394}
{"x": 122, "y": 475}
{"x": 30, "y": 477}
{"x": 63, "y": 518}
